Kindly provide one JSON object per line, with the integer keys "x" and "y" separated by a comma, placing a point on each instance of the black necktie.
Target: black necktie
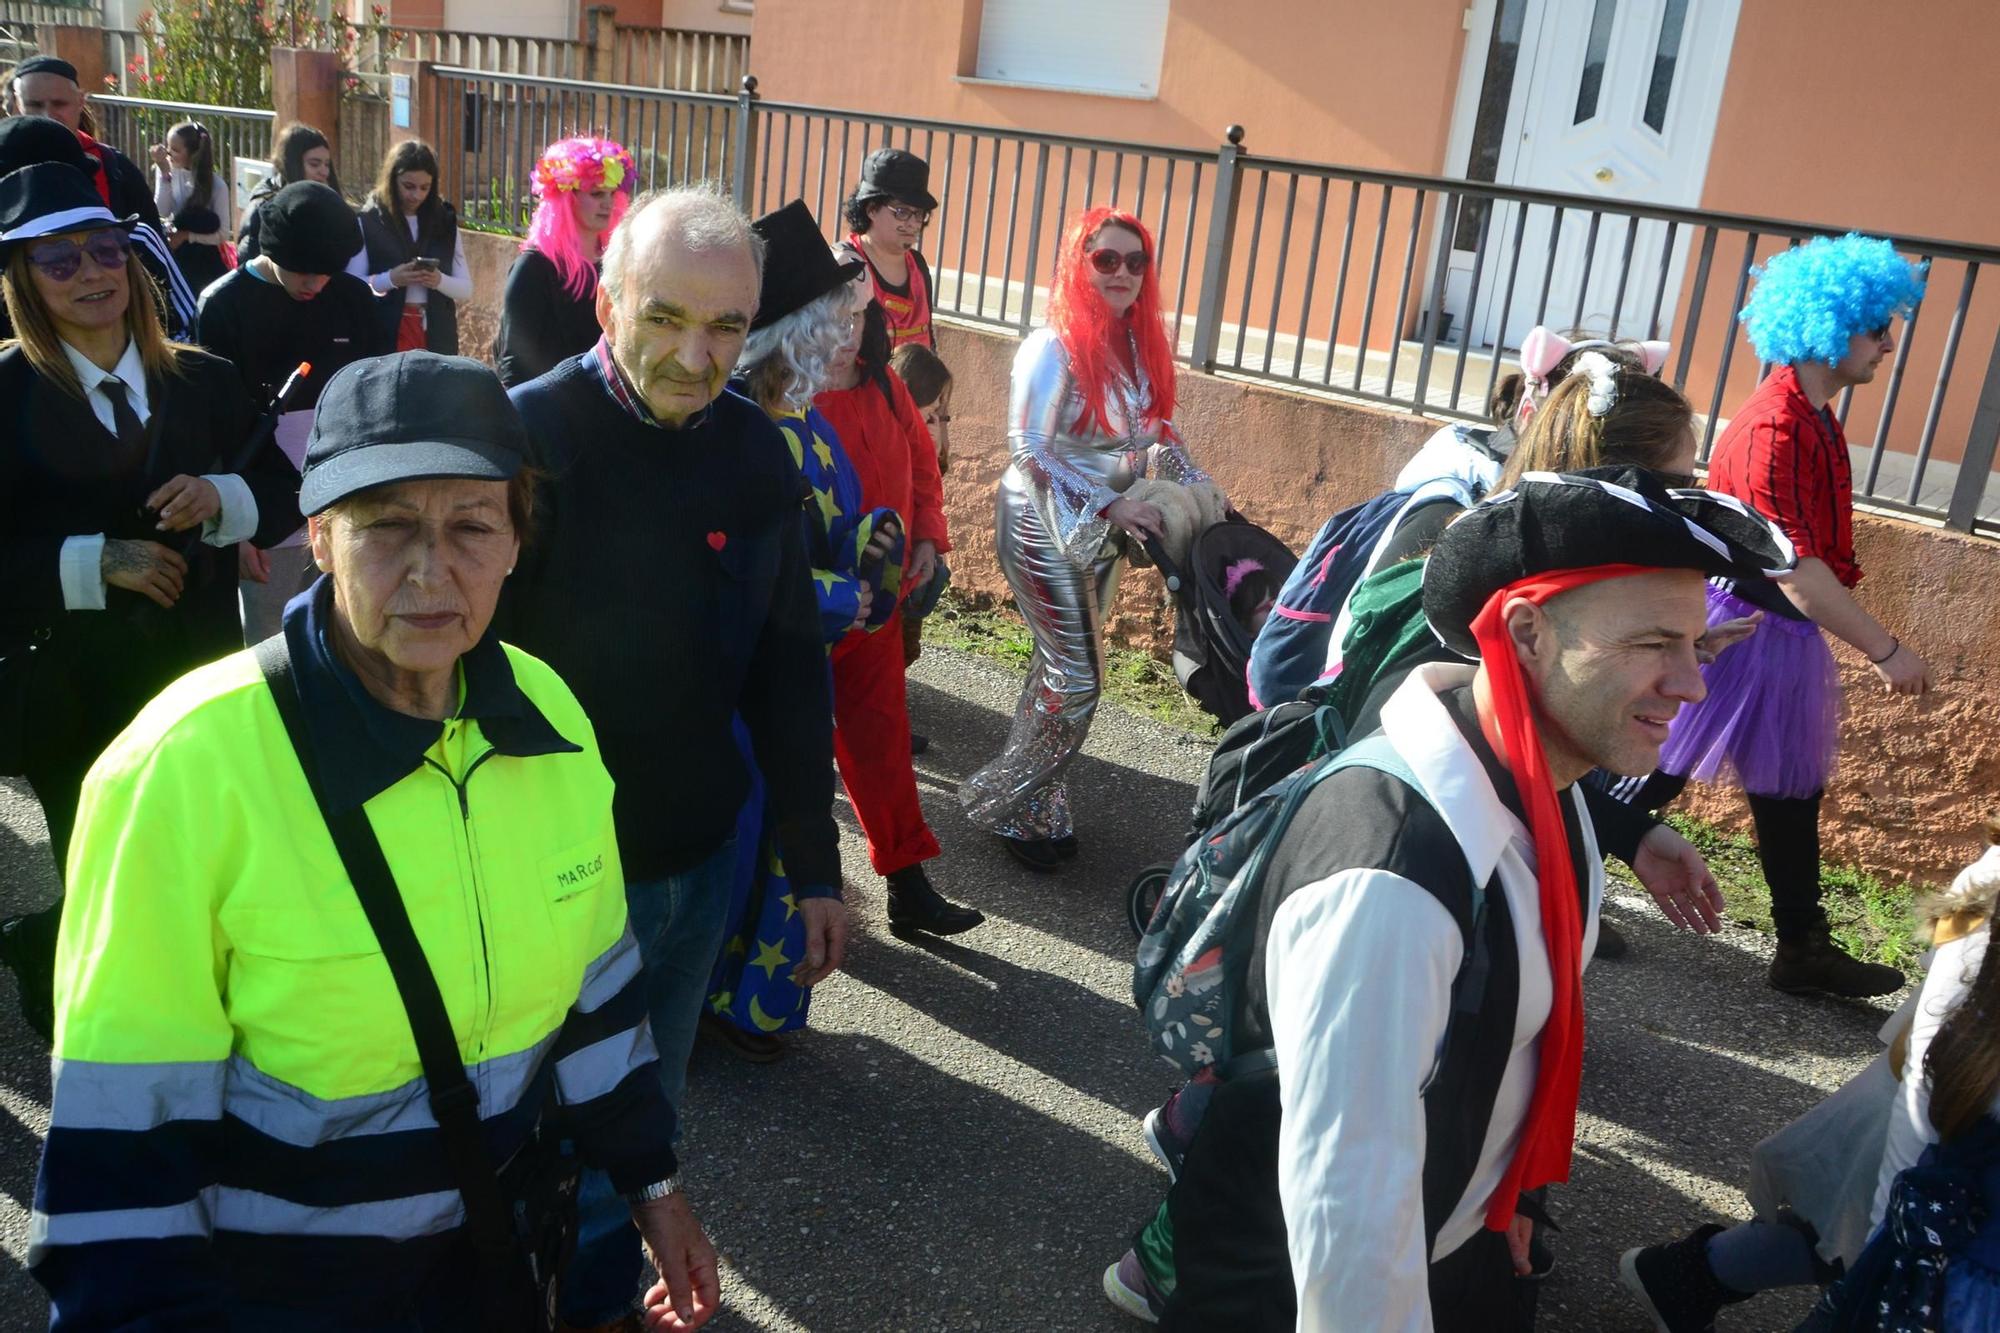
{"x": 127, "y": 427}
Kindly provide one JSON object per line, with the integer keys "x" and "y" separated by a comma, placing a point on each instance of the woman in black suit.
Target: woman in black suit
{"x": 122, "y": 495}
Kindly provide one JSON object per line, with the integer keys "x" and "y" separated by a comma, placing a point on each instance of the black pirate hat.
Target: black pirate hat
{"x": 1581, "y": 520}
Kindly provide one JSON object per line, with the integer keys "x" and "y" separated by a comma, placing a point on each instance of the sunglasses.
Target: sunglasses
{"x": 903, "y": 213}
{"x": 1107, "y": 261}
{"x": 60, "y": 259}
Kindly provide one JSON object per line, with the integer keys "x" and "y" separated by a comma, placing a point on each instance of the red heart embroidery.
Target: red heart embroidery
{"x": 717, "y": 540}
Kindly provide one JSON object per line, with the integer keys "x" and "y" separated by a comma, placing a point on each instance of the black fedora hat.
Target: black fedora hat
{"x": 48, "y": 199}
{"x": 27, "y": 140}
{"x": 799, "y": 266}
{"x": 895, "y": 173}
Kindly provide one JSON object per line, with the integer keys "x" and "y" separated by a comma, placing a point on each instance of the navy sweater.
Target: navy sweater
{"x": 667, "y": 583}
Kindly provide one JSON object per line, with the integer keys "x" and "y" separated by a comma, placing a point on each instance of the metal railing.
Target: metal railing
{"x": 1396, "y": 289}
{"x": 133, "y": 125}
{"x": 1495, "y": 261}
{"x": 490, "y": 128}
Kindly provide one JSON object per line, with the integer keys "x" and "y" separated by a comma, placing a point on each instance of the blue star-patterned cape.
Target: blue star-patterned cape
{"x": 838, "y": 529}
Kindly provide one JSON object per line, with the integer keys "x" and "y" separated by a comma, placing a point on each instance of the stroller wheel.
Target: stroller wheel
{"x": 1143, "y": 897}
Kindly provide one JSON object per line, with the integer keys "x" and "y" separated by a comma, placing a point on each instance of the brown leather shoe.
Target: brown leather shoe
{"x": 759, "y": 1048}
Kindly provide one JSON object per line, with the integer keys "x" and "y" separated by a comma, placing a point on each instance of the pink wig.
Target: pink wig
{"x": 566, "y": 169}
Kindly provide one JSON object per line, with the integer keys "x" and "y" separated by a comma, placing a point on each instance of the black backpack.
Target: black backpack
{"x": 1260, "y": 751}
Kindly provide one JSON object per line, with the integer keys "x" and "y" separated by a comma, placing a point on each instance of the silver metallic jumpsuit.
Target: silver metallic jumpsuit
{"x": 1062, "y": 558}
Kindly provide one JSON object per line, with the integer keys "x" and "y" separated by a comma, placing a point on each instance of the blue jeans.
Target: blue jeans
{"x": 679, "y": 922}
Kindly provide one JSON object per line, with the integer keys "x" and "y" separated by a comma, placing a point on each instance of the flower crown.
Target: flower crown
{"x": 582, "y": 164}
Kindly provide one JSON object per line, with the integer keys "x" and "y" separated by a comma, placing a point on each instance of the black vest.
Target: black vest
{"x": 389, "y": 244}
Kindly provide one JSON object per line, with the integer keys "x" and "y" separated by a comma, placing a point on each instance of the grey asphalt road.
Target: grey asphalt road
{"x": 954, "y": 1144}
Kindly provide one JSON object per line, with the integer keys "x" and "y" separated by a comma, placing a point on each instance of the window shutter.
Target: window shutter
{"x": 1109, "y": 46}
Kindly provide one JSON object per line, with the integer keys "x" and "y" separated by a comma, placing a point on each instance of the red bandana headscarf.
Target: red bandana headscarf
{"x": 1549, "y": 1133}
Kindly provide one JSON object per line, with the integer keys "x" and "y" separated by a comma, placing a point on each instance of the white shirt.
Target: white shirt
{"x": 82, "y": 558}
{"x": 172, "y": 190}
{"x": 455, "y": 282}
{"x": 1953, "y": 969}
{"x": 1359, "y": 969}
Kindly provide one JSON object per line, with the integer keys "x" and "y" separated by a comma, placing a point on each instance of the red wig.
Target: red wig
{"x": 1089, "y": 331}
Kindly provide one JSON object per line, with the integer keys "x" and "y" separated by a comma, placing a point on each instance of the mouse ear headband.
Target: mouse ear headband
{"x": 1544, "y": 349}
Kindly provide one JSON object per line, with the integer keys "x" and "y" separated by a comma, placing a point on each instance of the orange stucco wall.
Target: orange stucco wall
{"x": 1327, "y": 80}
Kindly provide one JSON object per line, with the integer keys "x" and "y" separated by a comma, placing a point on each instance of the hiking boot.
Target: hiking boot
{"x": 1037, "y": 854}
{"x": 1065, "y": 846}
{"x": 1128, "y": 1287}
{"x": 759, "y": 1048}
{"x": 1674, "y": 1284}
{"x": 914, "y": 905}
{"x": 1610, "y": 941}
{"x": 1814, "y": 963}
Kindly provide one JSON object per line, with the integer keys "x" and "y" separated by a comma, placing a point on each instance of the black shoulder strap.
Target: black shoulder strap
{"x": 489, "y": 1221}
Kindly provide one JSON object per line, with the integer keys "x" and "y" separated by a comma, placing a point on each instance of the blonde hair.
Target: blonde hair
{"x": 35, "y": 330}
{"x": 1645, "y": 425}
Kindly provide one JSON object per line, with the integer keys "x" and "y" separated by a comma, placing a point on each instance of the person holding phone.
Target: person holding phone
{"x": 411, "y": 253}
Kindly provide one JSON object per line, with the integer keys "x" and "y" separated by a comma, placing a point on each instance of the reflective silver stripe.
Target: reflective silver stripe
{"x": 91, "y": 1094}
{"x": 292, "y": 1115}
{"x": 406, "y": 1218}
{"x": 614, "y": 969}
{"x": 602, "y": 1066}
{"x": 174, "y": 1219}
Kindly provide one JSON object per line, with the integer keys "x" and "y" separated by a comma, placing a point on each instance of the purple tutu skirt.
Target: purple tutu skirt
{"x": 1771, "y": 721}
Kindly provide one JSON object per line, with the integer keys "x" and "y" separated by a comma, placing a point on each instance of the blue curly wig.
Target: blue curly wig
{"x": 1811, "y": 299}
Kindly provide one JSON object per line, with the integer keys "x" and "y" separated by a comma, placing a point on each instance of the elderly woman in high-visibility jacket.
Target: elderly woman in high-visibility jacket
{"x": 242, "y": 1134}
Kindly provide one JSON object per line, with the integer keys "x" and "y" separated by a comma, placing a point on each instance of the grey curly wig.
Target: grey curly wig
{"x": 785, "y": 364}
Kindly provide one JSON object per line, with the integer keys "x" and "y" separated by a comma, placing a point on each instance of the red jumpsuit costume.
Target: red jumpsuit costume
{"x": 892, "y": 453}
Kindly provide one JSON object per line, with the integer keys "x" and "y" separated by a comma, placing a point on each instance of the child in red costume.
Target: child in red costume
{"x": 885, "y": 439}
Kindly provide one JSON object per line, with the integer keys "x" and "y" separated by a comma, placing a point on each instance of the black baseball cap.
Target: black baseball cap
{"x": 413, "y": 416}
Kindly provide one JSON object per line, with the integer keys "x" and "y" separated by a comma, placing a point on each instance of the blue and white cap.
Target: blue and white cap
{"x": 48, "y": 199}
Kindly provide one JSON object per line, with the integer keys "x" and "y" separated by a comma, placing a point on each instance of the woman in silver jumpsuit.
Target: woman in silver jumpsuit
{"x": 1091, "y": 412}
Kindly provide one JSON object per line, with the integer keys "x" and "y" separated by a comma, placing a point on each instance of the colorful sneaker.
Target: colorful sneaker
{"x": 1128, "y": 1288}
{"x": 1168, "y": 1133}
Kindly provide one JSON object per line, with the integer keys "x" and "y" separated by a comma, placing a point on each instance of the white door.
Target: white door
{"x": 1614, "y": 99}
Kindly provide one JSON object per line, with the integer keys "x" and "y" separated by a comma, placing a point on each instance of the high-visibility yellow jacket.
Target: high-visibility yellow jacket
{"x": 239, "y": 1112}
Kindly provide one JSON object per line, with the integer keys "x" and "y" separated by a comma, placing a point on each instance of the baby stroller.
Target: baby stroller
{"x": 1211, "y": 645}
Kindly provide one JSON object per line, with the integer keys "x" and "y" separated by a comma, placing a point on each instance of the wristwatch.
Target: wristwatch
{"x": 654, "y": 1192}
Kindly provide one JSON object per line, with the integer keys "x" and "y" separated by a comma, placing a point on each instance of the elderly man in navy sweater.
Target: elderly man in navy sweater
{"x": 668, "y": 584}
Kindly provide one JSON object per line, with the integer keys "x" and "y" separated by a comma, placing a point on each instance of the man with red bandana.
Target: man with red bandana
{"x": 1423, "y": 928}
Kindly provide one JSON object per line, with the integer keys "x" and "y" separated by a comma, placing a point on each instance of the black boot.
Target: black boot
{"x": 1675, "y": 1284}
{"x": 915, "y": 906}
{"x": 919, "y": 743}
{"x": 1813, "y": 962}
{"x": 1037, "y": 854}
{"x": 1065, "y": 846}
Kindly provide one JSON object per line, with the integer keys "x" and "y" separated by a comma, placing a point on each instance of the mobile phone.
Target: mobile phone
{"x": 428, "y": 265}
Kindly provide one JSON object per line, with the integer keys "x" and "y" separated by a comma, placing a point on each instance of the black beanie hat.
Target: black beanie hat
{"x": 44, "y": 65}
{"x": 307, "y": 228}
